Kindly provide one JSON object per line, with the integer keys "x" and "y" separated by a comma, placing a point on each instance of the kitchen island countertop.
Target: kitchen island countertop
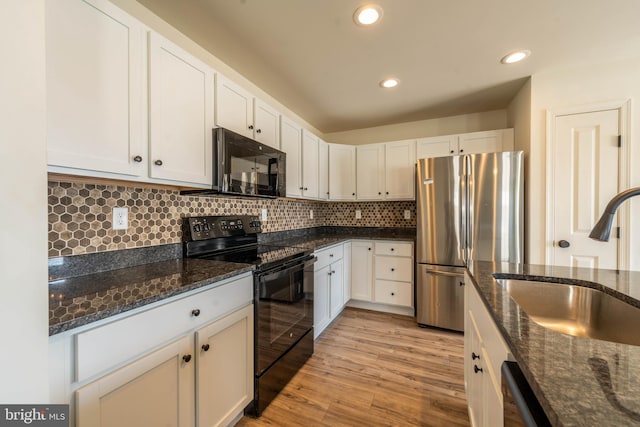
{"x": 578, "y": 381}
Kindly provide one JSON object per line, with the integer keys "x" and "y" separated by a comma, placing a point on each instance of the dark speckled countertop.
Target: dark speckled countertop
{"x": 578, "y": 381}
{"x": 77, "y": 301}
{"x": 88, "y": 288}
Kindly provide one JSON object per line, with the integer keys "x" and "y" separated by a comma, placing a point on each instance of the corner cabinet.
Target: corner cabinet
{"x": 467, "y": 143}
{"x": 342, "y": 172}
{"x": 183, "y": 362}
{"x": 386, "y": 171}
{"x": 484, "y": 352}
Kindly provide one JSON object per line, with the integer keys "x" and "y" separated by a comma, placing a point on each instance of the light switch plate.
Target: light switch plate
{"x": 310, "y": 213}
{"x": 120, "y": 219}
{"x": 264, "y": 215}
{"x": 407, "y": 214}
{"x": 358, "y": 214}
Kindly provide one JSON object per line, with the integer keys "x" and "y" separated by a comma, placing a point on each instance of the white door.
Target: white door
{"x": 323, "y": 170}
{"x": 437, "y": 146}
{"x": 291, "y": 144}
{"x": 310, "y": 144}
{"x": 342, "y": 172}
{"x": 370, "y": 172}
{"x": 585, "y": 178}
{"x": 362, "y": 270}
{"x": 336, "y": 291}
{"x": 321, "y": 307}
{"x": 267, "y": 124}
{"x": 480, "y": 142}
{"x": 400, "y": 165}
{"x": 234, "y": 107}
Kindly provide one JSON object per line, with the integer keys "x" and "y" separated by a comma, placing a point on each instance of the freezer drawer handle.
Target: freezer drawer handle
{"x": 443, "y": 273}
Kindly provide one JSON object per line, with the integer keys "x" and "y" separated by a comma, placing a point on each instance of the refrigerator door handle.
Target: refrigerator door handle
{"x": 444, "y": 273}
{"x": 464, "y": 209}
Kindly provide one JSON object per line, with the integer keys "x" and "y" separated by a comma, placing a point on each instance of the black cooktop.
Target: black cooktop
{"x": 234, "y": 239}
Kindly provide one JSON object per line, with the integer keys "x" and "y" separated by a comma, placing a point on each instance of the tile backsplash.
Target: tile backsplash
{"x": 80, "y": 215}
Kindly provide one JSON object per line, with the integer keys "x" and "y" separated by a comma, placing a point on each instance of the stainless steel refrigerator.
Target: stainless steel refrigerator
{"x": 469, "y": 207}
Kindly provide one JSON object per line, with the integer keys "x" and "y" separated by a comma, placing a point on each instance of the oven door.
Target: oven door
{"x": 284, "y": 310}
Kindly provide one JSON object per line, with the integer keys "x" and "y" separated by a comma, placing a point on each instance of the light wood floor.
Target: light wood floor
{"x": 375, "y": 369}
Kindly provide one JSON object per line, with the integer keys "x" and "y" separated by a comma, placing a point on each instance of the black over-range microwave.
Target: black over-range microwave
{"x": 245, "y": 167}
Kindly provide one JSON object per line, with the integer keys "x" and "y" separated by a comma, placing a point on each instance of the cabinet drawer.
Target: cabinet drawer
{"x": 394, "y": 268}
{"x": 394, "y": 248}
{"x": 328, "y": 255}
{"x": 104, "y": 347}
{"x": 395, "y": 293}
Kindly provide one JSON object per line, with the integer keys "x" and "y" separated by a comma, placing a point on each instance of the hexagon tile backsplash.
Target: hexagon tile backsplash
{"x": 80, "y": 215}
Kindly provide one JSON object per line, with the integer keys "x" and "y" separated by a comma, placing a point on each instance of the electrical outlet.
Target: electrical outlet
{"x": 264, "y": 215}
{"x": 358, "y": 214}
{"x": 407, "y": 214}
{"x": 310, "y": 213}
{"x": 120, "y": 218}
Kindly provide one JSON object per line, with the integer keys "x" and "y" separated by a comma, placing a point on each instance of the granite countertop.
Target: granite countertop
{"x": 92, "y": 287}
{"x": 578, "y": 381}
{"x": 77, "y": 301}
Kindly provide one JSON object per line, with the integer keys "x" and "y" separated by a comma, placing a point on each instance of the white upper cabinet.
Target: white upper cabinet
{"x": 238, "y": 110}
{"x": 342, "y": 172}
{"x": 386, "y": 171}
{"x": 467, "y": 143}
{"x": 310, "y": 162}
{"x": 370, "y": 172}
{"x": 95, "y": 88}
{"x": 180, "y": 114}
{"x": 266, "y": 124}
{"x": 291, "y": 144}
{"x": 400, "y": 162}
{"x": 323, "y": 170}
{"x": 234, "y": 107}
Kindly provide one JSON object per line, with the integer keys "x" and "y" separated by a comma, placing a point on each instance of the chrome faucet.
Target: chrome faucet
{"x": 602, "y": 229}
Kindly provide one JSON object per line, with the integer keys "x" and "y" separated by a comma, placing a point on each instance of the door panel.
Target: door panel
{"x": 585, "y": 177}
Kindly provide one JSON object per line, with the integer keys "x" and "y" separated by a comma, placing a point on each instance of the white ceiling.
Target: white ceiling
{"x": 310, "y": 56}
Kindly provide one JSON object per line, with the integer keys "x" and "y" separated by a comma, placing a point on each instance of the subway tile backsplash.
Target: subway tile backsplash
{"x": 80, "y": 215}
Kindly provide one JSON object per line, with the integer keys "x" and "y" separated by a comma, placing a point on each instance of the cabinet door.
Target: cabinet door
{"x": 310, "y": 144}
{"x": 224, "y": 378}
{"x": 362, "y": 270}
{"x": 95, "y": 88}
{"x": 321, "y": 303}
{"x": 266, "y": 124}
{"x": 336, "y": 292}
{"x": 472, "y": 358}
{"x": 437, "y": 146}
{"x": 323, "y": 170}
{"x": 400, "y": 166}
{"x": 480, "y": 142}
{"x": 346, "y": 276}
{"x": 156, "y": 390}
{"x": 370, "y": 172}
{"x": 342, "y": 172}
{"x": 234, "y": 107}
{"x": 291, "y": 144}
{"x": 180, "y": 114}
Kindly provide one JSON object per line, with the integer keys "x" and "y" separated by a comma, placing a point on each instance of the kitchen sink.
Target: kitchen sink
{"x": 576, "y": 310}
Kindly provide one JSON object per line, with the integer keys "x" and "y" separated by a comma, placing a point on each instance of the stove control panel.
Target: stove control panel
{"x": 209, "y": 227}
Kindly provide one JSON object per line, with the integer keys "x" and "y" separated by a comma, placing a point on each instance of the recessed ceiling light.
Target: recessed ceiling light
{"x": 516, "y": 56}
{"x": 367, "y": 14}
{"x": 389, "y": 83}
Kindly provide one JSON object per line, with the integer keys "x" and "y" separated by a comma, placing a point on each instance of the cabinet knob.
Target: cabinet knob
{"x": 195, "y": 312}
{"x": 474, "y": 356}
{"x": 331, "y": 255}
{"x": 137, "y": 159}
{"x": 451, "y": 151}
{"x": 353, "y": 194}
{"x": 258, "y": 130}
{"x": 461, "y": 283}
{"x": 462, "y": 151}
{"x": 186, "y": 358}
{"x": 305, "y": 188}
{"x": 393, "y": 269}
{"x": 379, "y": 193}
{"x": 205, "y": 347}
{"x": 333, "y": 272}
{"x": 369, "y": 248}
{"x": 251, "y": 127}
{"x": 158, "y": 162}
{"x": 564, "y": 244}
{"x": 392, "y": 249}
{"x": 329, "y": 273}
{"x": 392, "y": 293}
{"x": 387, "y": 193}
{"x": 476, "y": 369}
{"x": 301, "y": 188}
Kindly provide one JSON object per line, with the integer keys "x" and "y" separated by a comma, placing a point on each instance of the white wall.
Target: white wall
{"x": 23, "y": 219}
{"x": 519, "y": 118}
{"x": 464, "y": 123}
{"x": 572, "y": 87}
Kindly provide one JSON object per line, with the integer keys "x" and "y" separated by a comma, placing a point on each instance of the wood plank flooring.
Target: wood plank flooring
{"x": 375, "y": 369}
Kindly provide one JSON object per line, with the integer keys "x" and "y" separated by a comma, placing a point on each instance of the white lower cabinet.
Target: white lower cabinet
{"x": 185, "y": 362}
{"x": 484, "y": 352}
{"x": 224, "y": 368}
{"x": 329, "y": 287}
{"x": 362, "y": 270}
{"x": 154, "y": 390}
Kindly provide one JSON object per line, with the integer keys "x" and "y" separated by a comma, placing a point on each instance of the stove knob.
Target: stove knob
{"x": 196, "y": 228}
